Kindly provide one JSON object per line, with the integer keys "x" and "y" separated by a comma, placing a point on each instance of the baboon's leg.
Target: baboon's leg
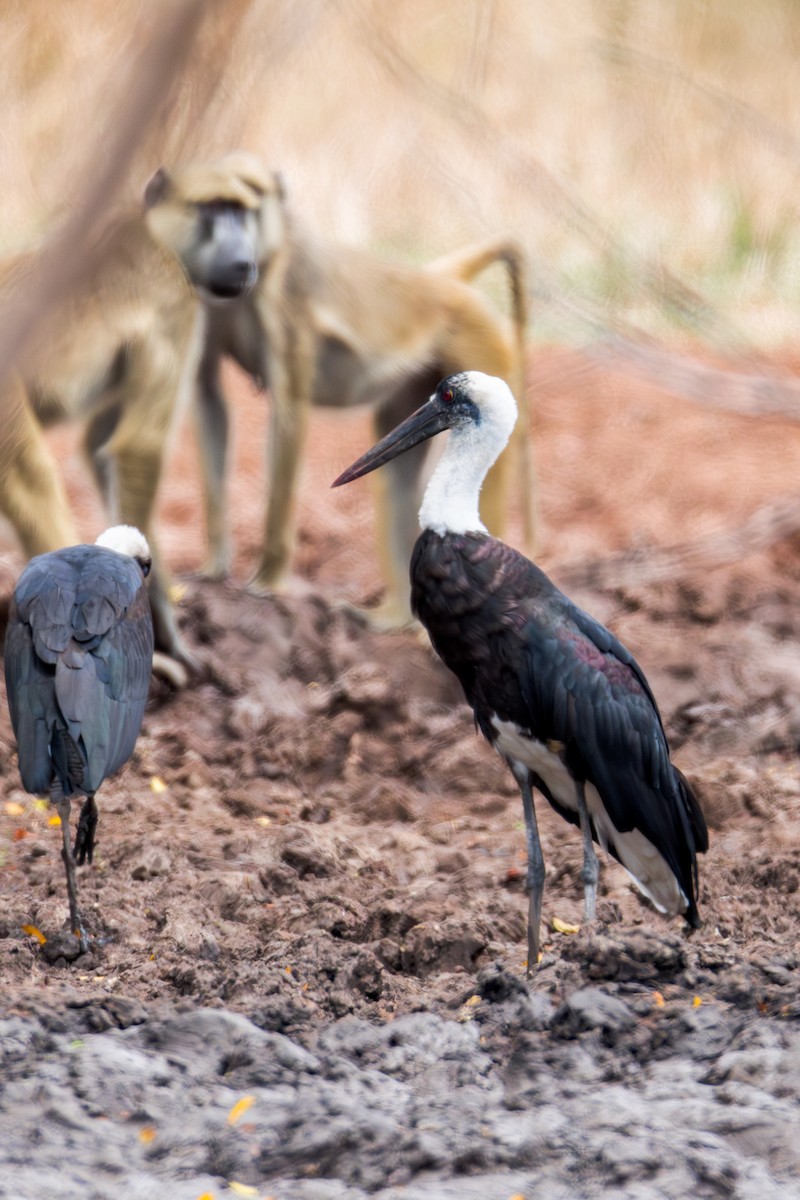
{"x": 477, "y": 344}
{"x": 31, "y": 493}
{"x": 288, "y": 424}
{"x": 97, "y": 433}
{"x": 133, "y": 459}
{"x": 213, "y": 433}
{"x": 465, "y": 264}
{"x": 398, "y": 494}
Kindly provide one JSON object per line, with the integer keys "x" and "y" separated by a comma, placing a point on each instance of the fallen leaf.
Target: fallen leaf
{"x": 32, "y": 931}
{"x": 54, "y": 820}
{"x": 19, "y": 834}
{"x": 157, "y": 785}
{"x": 13, "y": 809}
{"x": 41, "y": 805}
{"x": 473, "y": 1000}
{"x": 263, "y": 821}
{"x": 206, "y": 1196}
{"x": 563, "y": 926}
{"x": 147, "y": 1135}
{"x": 240, "y": 1108}
{"x": 242, "y": 1189}
{"x": 176, "y": 592}
{"x": 696, "y": 1002}
{"x": 658, "y": 1000}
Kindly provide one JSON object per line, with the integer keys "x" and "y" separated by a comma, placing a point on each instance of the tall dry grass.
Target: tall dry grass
{"x": 646, "y": 152}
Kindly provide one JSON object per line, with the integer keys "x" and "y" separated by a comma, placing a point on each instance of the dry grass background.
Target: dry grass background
{"x": 646, "y": 152}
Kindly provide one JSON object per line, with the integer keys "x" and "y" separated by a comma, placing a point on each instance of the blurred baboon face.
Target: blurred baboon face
{"x": 222, "y": 263}
{"x": 211, "y": 220}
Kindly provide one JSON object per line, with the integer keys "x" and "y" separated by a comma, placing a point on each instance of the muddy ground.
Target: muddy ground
{"x": 309, "y": 982}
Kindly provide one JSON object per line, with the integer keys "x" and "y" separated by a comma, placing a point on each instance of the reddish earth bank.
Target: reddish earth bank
{"x": 308, "y": 884}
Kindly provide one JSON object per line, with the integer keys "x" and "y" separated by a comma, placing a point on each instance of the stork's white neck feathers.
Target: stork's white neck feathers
{"x": 450, "y": 503}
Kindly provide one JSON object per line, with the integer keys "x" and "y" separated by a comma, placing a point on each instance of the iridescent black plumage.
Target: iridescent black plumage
{"x": 523, "y": 651}
{"x": 554, "y": 692}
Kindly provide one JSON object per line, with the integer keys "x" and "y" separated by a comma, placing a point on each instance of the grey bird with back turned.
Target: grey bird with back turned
{"x": 78, "y": 656}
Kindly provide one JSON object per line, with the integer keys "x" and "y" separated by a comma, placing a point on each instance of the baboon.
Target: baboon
{"x": 118, "y": 355}
{"x": 335, "y": 326}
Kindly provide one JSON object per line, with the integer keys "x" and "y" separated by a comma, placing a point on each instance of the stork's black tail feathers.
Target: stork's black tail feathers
{"x": 68, "y": 762}
{"x": 699, "y": 831}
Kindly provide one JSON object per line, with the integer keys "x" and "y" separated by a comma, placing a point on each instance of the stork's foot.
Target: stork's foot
{"x": 83, "y": 850}
{"x": 534, "y": 929}
{"x": 64, "y": 946}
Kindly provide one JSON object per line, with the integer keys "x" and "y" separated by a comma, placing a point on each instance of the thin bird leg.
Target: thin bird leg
{"x": 536, "y": 869}
{"x": 61, "y": 803}
{"x": 84, "y": 837}
{"x": 591, "y": 867}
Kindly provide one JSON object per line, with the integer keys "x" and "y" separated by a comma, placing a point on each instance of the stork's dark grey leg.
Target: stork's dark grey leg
{"x": 536, "y": 869}
{"x": 591, "y": 867}
{"x": 61, "y": 803}
{"x": 84, "y": 837}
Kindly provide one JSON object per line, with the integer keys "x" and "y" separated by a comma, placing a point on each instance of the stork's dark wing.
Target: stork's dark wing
{"x": 79, "y": 655}
{"x": 31, "y": 702}
{"x": 523, "y": 650}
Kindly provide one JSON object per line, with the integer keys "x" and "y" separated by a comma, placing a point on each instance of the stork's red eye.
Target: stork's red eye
{"x": 448, "y": 397}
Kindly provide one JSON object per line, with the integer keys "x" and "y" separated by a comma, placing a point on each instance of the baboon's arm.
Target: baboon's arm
{"x": 31, "y": 493}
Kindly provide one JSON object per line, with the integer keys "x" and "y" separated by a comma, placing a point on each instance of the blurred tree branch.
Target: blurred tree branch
{"x": 520, "y": 168}
{"x": 773, "y": 522}
{"x": 146, "y": 96}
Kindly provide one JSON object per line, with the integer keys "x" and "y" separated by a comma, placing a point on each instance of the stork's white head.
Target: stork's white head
{"x": 127, "y": 539}
{"x": 481, "y": 412}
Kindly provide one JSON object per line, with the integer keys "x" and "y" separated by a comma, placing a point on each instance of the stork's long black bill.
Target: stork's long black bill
{"x": 430, "y": 419}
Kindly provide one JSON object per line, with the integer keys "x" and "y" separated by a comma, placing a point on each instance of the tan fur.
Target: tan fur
{"x": 115, "y": 358}
{"x": 335, "y": 326}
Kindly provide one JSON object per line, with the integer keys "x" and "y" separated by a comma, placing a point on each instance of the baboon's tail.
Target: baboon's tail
{"x": 465, "y": 264}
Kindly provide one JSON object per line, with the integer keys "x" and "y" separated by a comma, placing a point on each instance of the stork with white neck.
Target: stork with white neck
{"x": 560, "y": 699}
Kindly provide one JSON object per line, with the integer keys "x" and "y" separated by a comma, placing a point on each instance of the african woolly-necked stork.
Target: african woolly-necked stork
{"x": 559, "y": 698}
{"x": 78, "y": 655}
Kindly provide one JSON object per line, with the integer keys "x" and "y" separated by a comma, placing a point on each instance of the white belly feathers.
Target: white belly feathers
{"x": 638, "y": 855}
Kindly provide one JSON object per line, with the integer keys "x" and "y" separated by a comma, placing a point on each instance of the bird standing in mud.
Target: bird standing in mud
{"x": 559, "y": 698}
{"x": 78, "y": 655}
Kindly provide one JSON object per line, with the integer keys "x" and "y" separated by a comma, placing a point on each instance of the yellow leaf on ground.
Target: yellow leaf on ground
{"x": 176, "y": 592}
{"x": 563, "y": 926}
{"x": 240, "y": 1108}
{"x": 157, "y": 784}
{"x": 32, "y": 931}
{"x": 473, "y": 1000}
{"x": 54, "y": 820}
{"x": 658, "y": 1000}
{"x": 263, "y": 821}
{"x": 41, "y": 805}
{"x": 696, "y": 1002}
{"x": 242, "y": 1189}
{"x": 147, "y": 1134}
{"x": 206, "y": 1196}
{"x": 13, "y": 809}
